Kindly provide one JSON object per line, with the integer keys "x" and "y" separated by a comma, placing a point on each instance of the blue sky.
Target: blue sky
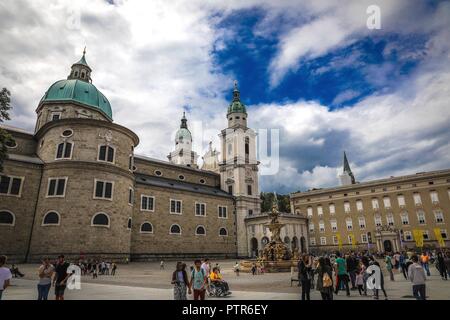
{"x": 312, "y": 70}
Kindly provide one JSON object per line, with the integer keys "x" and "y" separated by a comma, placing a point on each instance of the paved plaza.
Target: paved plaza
{"x": 145, "y": 281}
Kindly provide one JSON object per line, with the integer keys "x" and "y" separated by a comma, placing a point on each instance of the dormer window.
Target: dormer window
{"x": 76, "y": 74}
{"x": 82, "y": 75}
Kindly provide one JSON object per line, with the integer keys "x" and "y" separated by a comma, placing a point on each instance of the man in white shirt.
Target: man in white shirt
{"x": 207, "y": 268}
{"x": 5, "y": 275}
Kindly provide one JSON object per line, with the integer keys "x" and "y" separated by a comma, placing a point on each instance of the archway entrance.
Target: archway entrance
{"x": 294, "y": 244}
{"x": 302, "y": 244}
{"x": 254, "y": 246}
{"x": 387, "y": 245}
{"x": 287, "y": 242}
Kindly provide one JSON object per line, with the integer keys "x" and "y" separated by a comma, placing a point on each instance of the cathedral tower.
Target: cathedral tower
{"x": 239, "y": 168}
{"x": 347, "y": 177}
{"x": 183, "y": 153}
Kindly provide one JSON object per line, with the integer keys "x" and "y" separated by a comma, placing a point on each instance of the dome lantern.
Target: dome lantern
{"x": 80, "y": 70}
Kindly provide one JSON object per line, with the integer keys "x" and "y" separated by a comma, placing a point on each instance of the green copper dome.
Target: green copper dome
{"x": 236, "y": 105}
{"x": 183, "y": 133}
{"x": 78, "y": 91}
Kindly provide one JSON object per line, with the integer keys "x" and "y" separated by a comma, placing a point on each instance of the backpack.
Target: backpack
{"x": 326, "y": 280}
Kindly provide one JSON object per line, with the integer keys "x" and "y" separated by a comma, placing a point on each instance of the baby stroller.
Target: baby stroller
{"x": 218, "y": 290}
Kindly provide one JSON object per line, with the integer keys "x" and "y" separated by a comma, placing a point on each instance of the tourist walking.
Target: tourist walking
{"x": 236, "y": 269}
{"x": 114, "y": 268}
{"x": 60, "y": 277}
{"x": 254, "y": 269}
{"x": 45, "y": 273}
{"x": 324, "y": 279}
{"x": 304, "y": 276}
{"x": 416, "y": 275}
{"x": 341, "y": 273}
{"x": 402, "y": 261}
{"x": 198, "y": 281}
{"x": 161, "y": 265}
{"x": 425, "y": 260}
{"x": 447, "y": 262}
{"x": 360, "y": 282}
{"x": 376, "y": 290}
{"x": 364, "y": 265}
{"x": 5, "y": 276}
{"x": 440, "y": 264}
{"x": 352, "y": 266}
{"x": 180, "y": 282}
{"x": 389, "y": 266}
{"x": 206, "y": 266}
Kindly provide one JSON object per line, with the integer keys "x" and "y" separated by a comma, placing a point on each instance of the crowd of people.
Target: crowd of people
{"x": 202, "y": 279}
{"x": 348, "y": 272}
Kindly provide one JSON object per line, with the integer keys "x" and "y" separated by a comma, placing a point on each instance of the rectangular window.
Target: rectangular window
{"x": 64, "y": 150}
{"x": 106, "y": 153}
{"x": 349, "y": 224}
{"x": 10, "y": 185}
{"x": 426, "y": 235}
{"x": 175, "y": 206}
{"x": 438, "y": 216}
{"x": 55, "y": 116}
{"x": 103, "y": 189}
{"x": 347, "y": 207}
{"x": 375, "y": 204}
{"x": 335, "y": 240}
{"x": 200, "y": 209}
{"x": 362, "y": 223}
{"x": 417, "y": 199}
{"x": 350, "y": 239}
{"x": 333, "y": 225}
{"x": 401, "y": 201}
{"x": 312, "y": 241}
{"x": 444, "y": 234}
{"x": 130, "y": 196}
{"x": 364, "y": 238}
{"x": 390, "y": 220}
{"x": 250, "y": 212}
{"x": 405, "y": 219}
{"x": 230, "y": 189}
{"x": 359, "y": 205}
{"x": 323, "y": 241}
{"x": 407, "y": 236}
{"x": 56, "y": 187}
{"x": 249, "y": 190}
{"x": 378, "y": 222}
{"x": 310, "y": 212}
{"x": 311, "y": 227}
{"x": 321, "y": 227}
{"x": 332, "y": 209}
{"x": 434, "y": 197}
{"x": 147, "y": 203}
{"x": 319, "y": 211}
{"x": 387, "y": 202}
{"x": 421, "y": 217}
{"x": 223, "y": 212}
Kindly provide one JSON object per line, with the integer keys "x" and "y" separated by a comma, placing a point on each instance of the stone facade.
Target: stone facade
{"x": 384, "y": 212}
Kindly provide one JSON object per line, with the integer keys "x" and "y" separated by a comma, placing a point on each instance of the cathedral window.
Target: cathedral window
{"x": 249, "y": 190}
{"x": 10, "y": 185}
{"x": 106, "y": 153}
{"x": 175, "y": 229}
{"x": 130, "y": 196}
{"x": 223, "y": 232}
{"x": 223, "y": 212}
{"x": 67, "y": 133}
{"x": 200, "y": 231}
{"x": 158, "y": 173}
{"x": 147, "y": 203}
{"x": 421, "y": 217}
{"x": 51, "y": 218}
{"x": 230, "y": 189}
{"x": 7, "y": 218}
{"x": 181, "y": 177}
{"x": 175, "y": 206}
{"x": 202, "y": 181}
{"x": 55, "y": 116}
{"x": 146, "y": 227}
{"x": 103, "y": 189}
{"x": 129, "y": 223}
{"x": 200, "y": 209}
{"x": 56, "y": 187}
{"x": 100, "y": 220}
{"x": 64, "y": 150}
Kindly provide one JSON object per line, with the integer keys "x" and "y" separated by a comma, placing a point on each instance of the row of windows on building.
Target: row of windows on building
{"x": 390, "y": 221}
{"x": 375, "y": 203}
{"x": 52, "y": 218}
{"x": 407, "y": 236}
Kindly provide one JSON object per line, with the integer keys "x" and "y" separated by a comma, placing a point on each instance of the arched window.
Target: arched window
{"x": 223, "y": 232}
{"x": 106, "y": 153}
{"x": 200, "y": 231}
{"x": 64, "y": 150}
{"x": 100, "y": 220}
{"x": 51, "y": 218}
{"x": 129, "y": 223}
{"x": 146, "y": 227}
{"x": 7, "y": 218}
{"x": 175, "y": 229}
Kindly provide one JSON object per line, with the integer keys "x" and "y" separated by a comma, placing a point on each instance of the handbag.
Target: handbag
{"x": 326, "y": 280}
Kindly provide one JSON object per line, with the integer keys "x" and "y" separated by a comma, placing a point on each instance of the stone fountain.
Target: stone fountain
{"x": 275, "y": 256}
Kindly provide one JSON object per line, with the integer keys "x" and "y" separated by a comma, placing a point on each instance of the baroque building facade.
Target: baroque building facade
{"x": 390, "y": 214}
{"x": 75, "y": 186}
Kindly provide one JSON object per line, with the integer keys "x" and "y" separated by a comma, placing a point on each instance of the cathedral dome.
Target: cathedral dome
{"x": 78, "y": 91}
{"x": 236, "y": 105}
{"x": 183, "y": 133}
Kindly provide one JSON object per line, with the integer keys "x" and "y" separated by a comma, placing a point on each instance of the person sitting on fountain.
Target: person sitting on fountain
{"x": 217, "y": 280}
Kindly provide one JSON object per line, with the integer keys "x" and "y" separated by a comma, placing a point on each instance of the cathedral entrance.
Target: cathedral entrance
{"x": 254, "y": 246}
{"x": 387, "y": 245}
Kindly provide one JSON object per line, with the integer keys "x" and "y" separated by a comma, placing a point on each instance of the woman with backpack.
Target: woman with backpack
{"x": 324, "y": 279}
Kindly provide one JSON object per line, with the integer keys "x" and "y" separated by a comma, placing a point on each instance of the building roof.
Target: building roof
{"x": 79, "y": 91}
{"x": 366, "y": 184}
{"x": 15, "y": 129}
{"x": 180, "y": 185}
{"x": 236, "y": 105}
{"x": 24, "y": 158}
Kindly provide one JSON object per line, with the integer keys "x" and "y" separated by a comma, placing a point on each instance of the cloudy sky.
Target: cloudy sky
{"x": 311, "y": 69}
